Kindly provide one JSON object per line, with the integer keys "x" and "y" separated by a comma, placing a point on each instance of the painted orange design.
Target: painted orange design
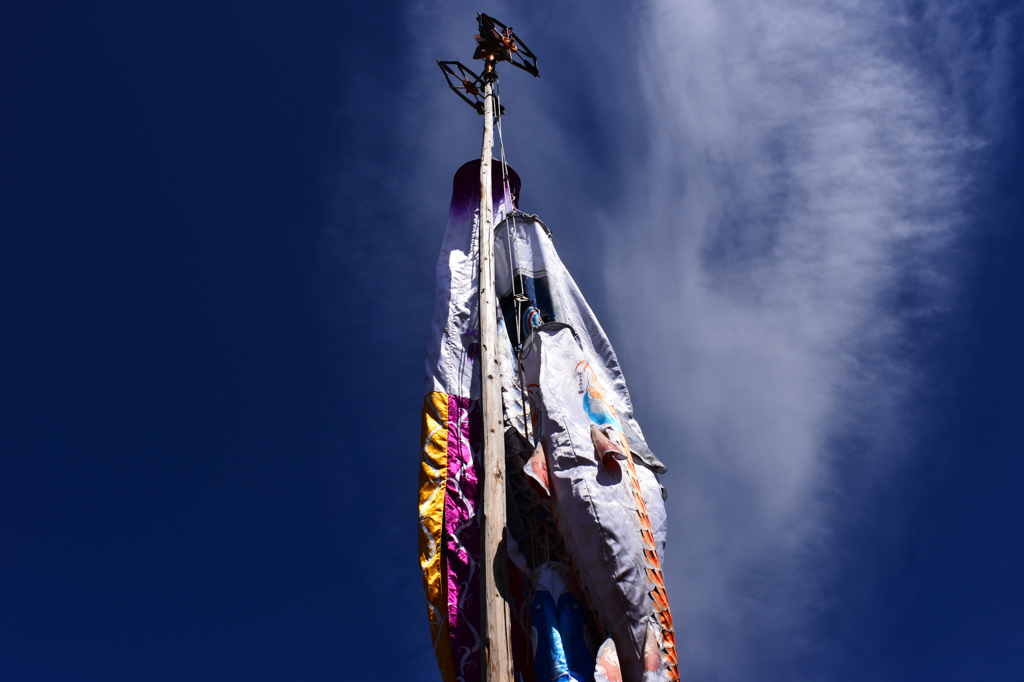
{"x": 654, "y": 575}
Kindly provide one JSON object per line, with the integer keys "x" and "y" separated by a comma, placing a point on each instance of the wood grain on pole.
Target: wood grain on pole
{"x": 495, "y": 626}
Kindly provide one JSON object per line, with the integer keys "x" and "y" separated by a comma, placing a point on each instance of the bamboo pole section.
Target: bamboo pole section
{"x": 495, "y": 625}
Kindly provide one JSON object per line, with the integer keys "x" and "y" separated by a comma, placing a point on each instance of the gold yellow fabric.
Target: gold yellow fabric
{"x": 433, "y": 476}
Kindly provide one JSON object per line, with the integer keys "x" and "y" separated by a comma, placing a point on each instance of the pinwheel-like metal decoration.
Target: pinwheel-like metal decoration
{"x": 465, "y": 84}
{"x": 495, "y": 43}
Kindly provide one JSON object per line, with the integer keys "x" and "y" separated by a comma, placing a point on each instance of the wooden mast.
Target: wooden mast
{"x": 495, "y": 42}
{"x": 495, "y": 624}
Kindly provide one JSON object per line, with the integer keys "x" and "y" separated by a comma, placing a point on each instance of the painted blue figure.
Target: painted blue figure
{"x": 559, "y": 622}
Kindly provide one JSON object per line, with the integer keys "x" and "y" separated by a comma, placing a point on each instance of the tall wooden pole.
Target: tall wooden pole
{"x": 495, "y": 627}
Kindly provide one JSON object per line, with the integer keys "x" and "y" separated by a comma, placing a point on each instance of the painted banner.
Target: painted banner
{"x": 585, "y": 510}
{"x": 591, "y": 462}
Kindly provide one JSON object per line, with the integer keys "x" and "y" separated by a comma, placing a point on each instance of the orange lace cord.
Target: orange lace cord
{"x": 654, "y": 576}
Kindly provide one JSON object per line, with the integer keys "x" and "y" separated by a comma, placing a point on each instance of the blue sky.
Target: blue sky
{"x": 800, "y": 225}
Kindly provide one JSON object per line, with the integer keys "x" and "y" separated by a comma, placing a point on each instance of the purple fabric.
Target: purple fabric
{"x": 466, "y": 187}
{"x": 462, "y": 535}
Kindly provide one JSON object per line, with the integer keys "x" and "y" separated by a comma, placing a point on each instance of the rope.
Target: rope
{"x": 518, "y": 294}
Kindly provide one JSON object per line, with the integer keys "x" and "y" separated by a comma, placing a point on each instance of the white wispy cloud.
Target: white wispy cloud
{"x": 756, "y": 194}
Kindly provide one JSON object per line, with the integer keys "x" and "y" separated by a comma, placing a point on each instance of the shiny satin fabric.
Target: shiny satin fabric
{"x": 598, "y": 499}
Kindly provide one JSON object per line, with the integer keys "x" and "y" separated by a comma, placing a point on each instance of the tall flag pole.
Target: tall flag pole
{"x": 539, "y": 495}
{"x": 497, "y": 649}
{"x": 494, "y": 42}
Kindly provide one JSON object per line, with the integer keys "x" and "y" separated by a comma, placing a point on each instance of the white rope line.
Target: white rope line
{"x": 518, "y": 295}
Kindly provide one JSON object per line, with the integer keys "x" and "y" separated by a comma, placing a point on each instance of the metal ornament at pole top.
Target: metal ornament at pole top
{"x": 495, "y": 42}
